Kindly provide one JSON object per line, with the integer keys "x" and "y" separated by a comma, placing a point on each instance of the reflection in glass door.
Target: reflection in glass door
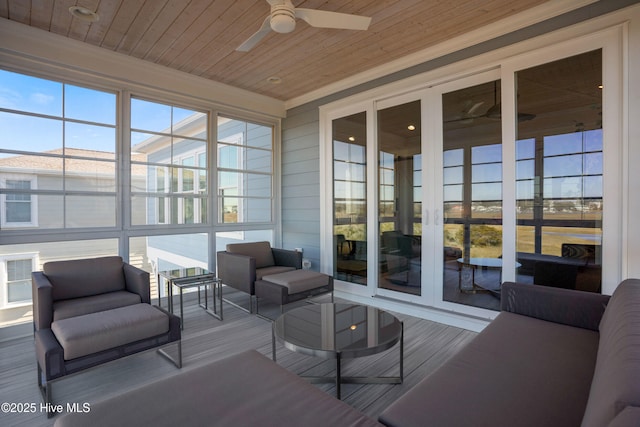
{"x": 350, "y": 198}
{"x": 559, "y": 167}
{"x": 400, "y": 198}
{"x": 472, "y": 195}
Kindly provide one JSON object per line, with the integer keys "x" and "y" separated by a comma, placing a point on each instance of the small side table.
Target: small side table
{"x": 184, "y": 278}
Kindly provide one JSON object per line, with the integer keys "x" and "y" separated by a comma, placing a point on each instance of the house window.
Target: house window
{"x": 16, "y": 280}
{"x": 18, "y": 204}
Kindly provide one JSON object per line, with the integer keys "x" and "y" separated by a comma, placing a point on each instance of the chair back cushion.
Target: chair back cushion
{"x": 261, "y": 251}
{"x": 615, "y": 382}
{"x": 85, "y": 277}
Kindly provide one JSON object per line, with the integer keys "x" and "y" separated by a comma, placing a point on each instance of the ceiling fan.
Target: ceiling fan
{"x": 282, "y": 19}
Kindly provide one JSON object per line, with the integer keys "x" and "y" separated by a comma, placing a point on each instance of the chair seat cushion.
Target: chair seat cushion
{"x": 298, "y": 280}
{"x": 267, "y": 271}
{"x": 81, "y": 306}
{"x": 94, "y": 332}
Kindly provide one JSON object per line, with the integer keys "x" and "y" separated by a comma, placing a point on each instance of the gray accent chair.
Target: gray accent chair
{"x": 242, "y": 264}
{"x": 90, "y": 311}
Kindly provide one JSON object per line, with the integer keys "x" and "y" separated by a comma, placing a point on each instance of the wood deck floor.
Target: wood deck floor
{"x": 205, "y": 339}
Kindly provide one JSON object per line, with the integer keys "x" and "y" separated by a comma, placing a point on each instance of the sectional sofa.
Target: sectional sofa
{"x": 552, "y": 357}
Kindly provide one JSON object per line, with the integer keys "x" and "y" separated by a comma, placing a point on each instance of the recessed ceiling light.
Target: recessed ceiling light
{"x": 411, "y": 127}
{"x": 600, "y": 86}
{"x": 84, "y": 14}
{"x": 352, "y": 138}
{"x": 274, "y": 80}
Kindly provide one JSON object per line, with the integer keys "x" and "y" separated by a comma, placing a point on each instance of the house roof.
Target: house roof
{"x": 78, "y": 162}
{"x": 200, "y": 37}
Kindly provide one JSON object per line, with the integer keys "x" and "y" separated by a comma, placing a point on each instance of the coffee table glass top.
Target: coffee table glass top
{"x": 327, "y": 329}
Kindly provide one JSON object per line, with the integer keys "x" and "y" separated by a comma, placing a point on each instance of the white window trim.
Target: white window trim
{"x": 4, "y": 290}
{"x": 34, "y": 200}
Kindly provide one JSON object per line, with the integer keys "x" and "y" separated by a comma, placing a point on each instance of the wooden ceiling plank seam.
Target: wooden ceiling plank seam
{"x": 20, "y": 11}
{"x": 221, "y": 46}
{"x": 140, "y": 25}
{"x": 122, "y": 21}
{"x": 165, "y": 19}
{"x": 4, "y": 9}
{"x": 107, "y": 10}
{"x": 178, "y": 26}
{"x": 61, "y": 18}
{"x": 210, "y": 31}
{"x": 41, "y": 13}
{"x": 183, "y": 40}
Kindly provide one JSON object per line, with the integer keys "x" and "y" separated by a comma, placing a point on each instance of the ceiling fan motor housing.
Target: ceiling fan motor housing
{"x": 283, "y": 18}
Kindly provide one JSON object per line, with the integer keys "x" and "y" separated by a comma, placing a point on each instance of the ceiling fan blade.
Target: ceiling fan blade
{"x": 254, "y": 39}
{"x": 325, "y": 19}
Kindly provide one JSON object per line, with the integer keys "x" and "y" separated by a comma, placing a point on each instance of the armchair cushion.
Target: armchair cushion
{"x": 70, "y": 279}
{"x": 80, "y": 306}
{"x": 261, "y": 251}
{"x": 267, "y": 271}
{"x": 94, "y": 332}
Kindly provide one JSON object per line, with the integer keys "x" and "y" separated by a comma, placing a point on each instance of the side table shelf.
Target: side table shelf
{"x": 184, "y": 278}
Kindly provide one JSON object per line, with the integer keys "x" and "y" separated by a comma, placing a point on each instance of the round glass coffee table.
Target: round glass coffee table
{"x": 340, "y": 331}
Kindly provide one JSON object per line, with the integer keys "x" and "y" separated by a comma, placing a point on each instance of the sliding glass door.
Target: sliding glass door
{"x": 440, "y": 195}
{"x": 400, "y": 198}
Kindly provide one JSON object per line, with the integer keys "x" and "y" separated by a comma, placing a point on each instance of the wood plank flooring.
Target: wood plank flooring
{"x": 205, "y": 339}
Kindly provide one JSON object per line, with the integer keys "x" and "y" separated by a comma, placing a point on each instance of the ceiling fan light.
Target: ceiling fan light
{"x": 282, "y": 23}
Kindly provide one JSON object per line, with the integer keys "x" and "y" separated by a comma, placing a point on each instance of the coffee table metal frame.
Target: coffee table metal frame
{"x": 338, "y": 355}
{"x": 183, "y": 279}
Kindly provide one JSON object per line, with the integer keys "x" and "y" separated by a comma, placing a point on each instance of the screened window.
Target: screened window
{"x": 65, "y": 136}
{"x": 168, "y": 164}
{"x": 245, "y": 173}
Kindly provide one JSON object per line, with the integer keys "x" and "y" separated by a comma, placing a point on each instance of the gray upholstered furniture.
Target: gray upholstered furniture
{"x": 552, "y": 357}
{"x": 91, "y": 311}
{"x": 291, "y": 286}
{"x": 246, "y": 389}
{"x": 243, "y": 263}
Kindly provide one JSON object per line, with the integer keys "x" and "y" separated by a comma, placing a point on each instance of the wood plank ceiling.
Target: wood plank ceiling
{"x": 200, "y": 36}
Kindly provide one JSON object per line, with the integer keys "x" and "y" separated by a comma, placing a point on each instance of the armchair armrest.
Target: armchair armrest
{"x": 565, "y": 306}
{"x": 49, "y": 354}
{"x": 237, "y": 271}
{"x": 287, "y": 258}
{"x": 137, "y": 281}
{"x": 42, "y": 292}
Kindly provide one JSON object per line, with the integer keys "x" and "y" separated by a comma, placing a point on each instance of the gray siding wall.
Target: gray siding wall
{"x": 301, "y": 131}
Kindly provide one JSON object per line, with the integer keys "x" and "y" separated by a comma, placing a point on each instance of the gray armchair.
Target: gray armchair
{"x": 74, "y": 301}
{"x": 243, "y": 263}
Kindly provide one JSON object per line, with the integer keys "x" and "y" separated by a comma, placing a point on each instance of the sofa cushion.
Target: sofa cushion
{"x": 79, "y": 306}
{"x": 70, "y": 279}
{"x": 615, "y": 380}
{"x": 91, "y": 333}
{"x": 519, "y": 371}
{"x": 261, "y": 251}
{"x": 246, "y": 389}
